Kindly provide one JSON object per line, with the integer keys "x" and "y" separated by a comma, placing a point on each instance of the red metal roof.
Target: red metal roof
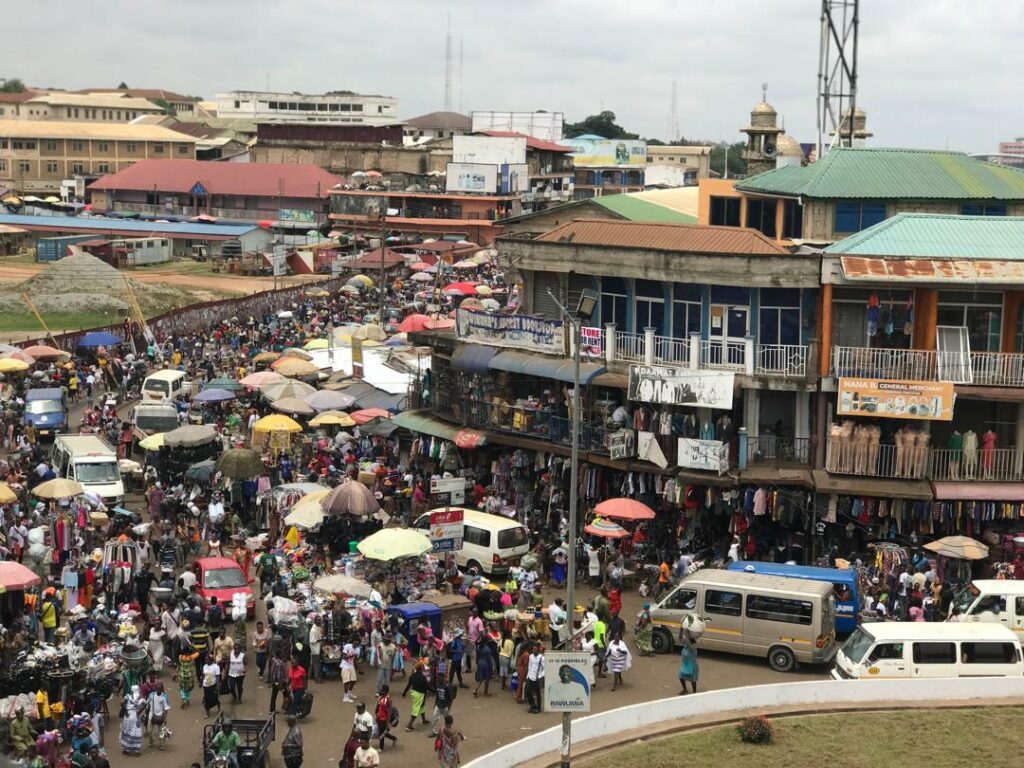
{"x": 691, "y": 238}
{"x": 373, "y": 259}
{"x": 251, "y": 179}
{"x": 866, "y": 269}
{"x": 531, "y": 142}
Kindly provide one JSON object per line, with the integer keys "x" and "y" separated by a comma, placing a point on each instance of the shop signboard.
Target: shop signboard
{"x": 894, "y": 399}
{"x": 472, "y": 177}
{"x": 520, "y": 332}
{"x": 681, "y": 386}
{"x": 295, "y": 214}
{"x": 602, "y": 153}
{"x": 622, "y": 444}
{"x": 448, "y": 490}
{"x": 565, "y": 685}
{"x": 591, "y": 342}
{"x": 711, "y": 455}
{"x": 515, "y": 178}
{"x": 446, "y": 529}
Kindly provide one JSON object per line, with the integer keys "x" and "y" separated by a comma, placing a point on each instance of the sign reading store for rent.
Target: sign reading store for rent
{"x": 681, "y": 386}
{"x": 523, "y": 332}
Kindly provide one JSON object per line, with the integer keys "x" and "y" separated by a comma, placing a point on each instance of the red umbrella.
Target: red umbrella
{"x": 606, "y": 529}
{"x": 624, "y": 509}
{"x": 465, "y": 288}
{"x": 419, "y": 266}
{"x": 415, "y": 322}
{"x": 14, "y": 576}
{"x": 363, "y": 416}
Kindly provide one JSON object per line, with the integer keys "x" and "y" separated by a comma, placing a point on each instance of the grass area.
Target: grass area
{"x": 943, "y": 738}
{"x": 56, "y": 321}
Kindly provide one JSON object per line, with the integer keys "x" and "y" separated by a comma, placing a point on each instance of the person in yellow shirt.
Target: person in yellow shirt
{"x": 176, "y": 358}
{"x": 48, "y": 615}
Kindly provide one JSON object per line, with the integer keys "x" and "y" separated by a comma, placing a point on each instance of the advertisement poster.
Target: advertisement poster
{"x": 565, "y": 684}
{"x": 472, "y": 177}
{"x": 515, "y": 178}
{"x": 522, "y": 332}
{"x": 712, "y": 455}
{"x": 592, "y": 342}
{"x": 889, "y": 399}
{"x": 294, "y": 214}
{"x": 622, "y": 444}
{"x": 599, "y": 153}
{"x": 446, "y": 529}
{"x": 681, "y": 386}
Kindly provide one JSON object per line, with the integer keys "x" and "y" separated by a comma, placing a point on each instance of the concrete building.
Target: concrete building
{"x": 437, "y": 125}
{"x": 762, "y": 136}
{"x": 694, "y": 159}
{"x": 344, "y": 107}
{"x": 79, "y": 107}
{"x": 36, "y": 155}
{"x": 183, "y": 106}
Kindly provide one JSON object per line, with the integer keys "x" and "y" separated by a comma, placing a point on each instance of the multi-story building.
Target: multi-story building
{"x": 343, "y": 107}
{"x": 695, "y": 160}
{"x": 36, "y": 155}
{"x": 181, "y": 105}
{"x": 607, "y": 166}
{"x": 80, "y": 107}
{"x": 437, "y": 125}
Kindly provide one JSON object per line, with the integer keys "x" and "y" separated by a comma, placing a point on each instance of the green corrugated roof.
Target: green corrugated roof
{"x": 928, "y": 235}
{"x": 846, "y": 173}
{"x": 635, "y": 209}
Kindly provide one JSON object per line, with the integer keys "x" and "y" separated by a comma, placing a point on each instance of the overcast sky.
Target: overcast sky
{"x": 933, "y": 73}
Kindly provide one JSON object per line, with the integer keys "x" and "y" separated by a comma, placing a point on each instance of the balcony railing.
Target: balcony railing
{"x": 996, "y": 369}
{"x": 726, "y": 355}
{"x": 997, "y": 465}
{"x": 913, "y": 364}
{"x": 629, "y": 347}
{"x": 789, "y": 360}
{"x": 772, "y": 450}
{"x": 237, "y": 214}
{"x": 846, "y": 457}
{"x": 670, "y": 351}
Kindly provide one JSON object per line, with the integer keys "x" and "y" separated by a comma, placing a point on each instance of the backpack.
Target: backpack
{"x": 394, "y": 718}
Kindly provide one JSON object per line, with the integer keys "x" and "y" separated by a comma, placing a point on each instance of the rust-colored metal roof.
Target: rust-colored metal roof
{"x": 868, "y": 269}
{"x": 689, "y": 238}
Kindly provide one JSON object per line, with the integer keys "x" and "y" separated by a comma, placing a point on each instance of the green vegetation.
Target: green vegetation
{"x": 11, "y": 85}
{"x": 937, "y": 738}
{"x": 602, "y": 124}
{"x": 25, "y": 321}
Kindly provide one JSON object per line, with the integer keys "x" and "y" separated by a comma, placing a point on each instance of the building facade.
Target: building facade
{"x": 694, "y": 159}
{"x": 343, "y": 107}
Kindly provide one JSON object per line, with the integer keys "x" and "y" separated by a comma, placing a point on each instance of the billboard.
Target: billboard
{"x": 889, "y": 399}
{"x": 600, "y": 153}
{"x": 446, "y": 527}
{"x": 489, "y": 150}
{"x": 521, "y": 332}
{"x": 540, "y": 124}
{"x": 472, "y": 177}
{"x": 567, "y": 682}
{"x": 514, "y": 178}
{"x": 296, "y": 214}
{"x": 712, "y": 455}
{"x": 359, "y": 205}
{"x": 681, "y": 386}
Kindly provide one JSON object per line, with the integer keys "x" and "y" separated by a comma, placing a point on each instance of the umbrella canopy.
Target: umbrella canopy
{"x": 350, "y": 498}
{"x": 58, "y": 488}
{"x": 99, "y": 339}
{"x": 329, "y": 418}
{"x": 624, "y": 509}
{"x": 10, "y": 365}
{"x": 325, "y": 400}
{"x": 277, "y": 423}
{"x": 348, "y": 289}
{"x": 44, "y": 352}
{"x": 296, "y": 352}
{"x": 606, "y": 529}
{"x": 266, "y": 357}
{"x": 419, "y": 266}
{"x": 275, "y": 390}
{"x": 466, "y": 288}
{"x": 340, "y": 584}
{"x": 440, "y": 323}
{"x": 314, "y": 344}
{"x": 465, "y": 264}
{"x": 201, "y": 472}
{"x": 305, "y": 516}
{"x": 415, "y": 322}
{"x": 294, "y": 367}
{"x": 490, "y": 303}
{"x": 225, "y": 382}
{"x": 260, "y": 378}
{"x": 959, "y": 548}
{"x": 361, "y": 281}
{"x": 153, "y": 442}
{"x": 293, "y": 406}
{"x": 240, "y": 463}
{"x": 371, "y": 332}
{"x": 364, "y": 415}
{"x": 394, "y": 543}
{"x": 213, "y": 395}
{"x": 422, "y": 277}
{"x": 483, "y": 290}
{"x": 7, "y": 494}
{"x": 14, "y": 576}
{"x": 471, "y": 304}
{"x": 190, "y": 436}
{"x": 19, "y": 354}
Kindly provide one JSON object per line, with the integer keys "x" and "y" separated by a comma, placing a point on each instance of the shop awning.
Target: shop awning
{"x": 985, "y": 271}
{"x": 761, "y": 474}
{"x": 558, "y": 368}
{"x": 613, "y": 380}
{"x": 880, "y": 487}
{"x": 473, "y": 358}
{"x": 428, "y": 424}
{"x": 951, "y": 491}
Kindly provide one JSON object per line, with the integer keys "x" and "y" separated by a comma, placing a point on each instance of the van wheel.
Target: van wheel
{"x": 661, "y": 641}
{"x": 781, "y": 659}
{"x": 474, "y": 564}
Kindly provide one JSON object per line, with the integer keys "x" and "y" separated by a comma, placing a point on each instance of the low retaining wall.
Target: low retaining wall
{"x": 816, "y": 695}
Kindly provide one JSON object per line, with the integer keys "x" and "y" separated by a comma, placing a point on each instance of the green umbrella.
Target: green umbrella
{"x": 240, "y": 463}
{"x": 224, "y": 382}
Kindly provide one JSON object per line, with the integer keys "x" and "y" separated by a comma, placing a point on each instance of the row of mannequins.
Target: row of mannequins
{"x": 675, "y": 423}
{"x": 855, "y": 449}
{"x": 964, "y": 454}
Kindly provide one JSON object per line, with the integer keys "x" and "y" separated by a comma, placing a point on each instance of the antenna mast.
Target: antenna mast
{"x": 837, "y": 72}
{"x": 448, "y": 67}
{"x": 673, "y": 116}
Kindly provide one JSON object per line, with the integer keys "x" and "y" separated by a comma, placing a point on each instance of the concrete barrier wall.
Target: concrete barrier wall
{"x": 814, "y": 694}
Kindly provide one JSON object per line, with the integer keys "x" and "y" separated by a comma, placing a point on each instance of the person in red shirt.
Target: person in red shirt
{"x": 297, "y": 685}
{"x": 383, "y": 716}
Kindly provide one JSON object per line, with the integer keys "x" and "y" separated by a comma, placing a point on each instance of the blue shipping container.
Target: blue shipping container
{"x": 56, "y": 248}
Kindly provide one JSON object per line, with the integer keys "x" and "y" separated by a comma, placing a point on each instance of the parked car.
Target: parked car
{"x": 222, "y": 578}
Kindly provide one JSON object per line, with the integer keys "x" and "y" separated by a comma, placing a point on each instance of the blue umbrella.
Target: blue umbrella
{"x": 99, "y": 339}
{"x": 213, "y": 395}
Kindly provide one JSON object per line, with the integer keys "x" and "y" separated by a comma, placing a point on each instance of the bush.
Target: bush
{"x": 756, "y": 730}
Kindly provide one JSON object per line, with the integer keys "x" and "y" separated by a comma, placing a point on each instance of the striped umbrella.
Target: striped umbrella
{"x": 606, "y": 529}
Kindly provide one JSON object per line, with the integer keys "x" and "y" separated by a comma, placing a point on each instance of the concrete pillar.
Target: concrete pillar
{"x": 609, "y": 342}
{"x": 1018, "y": 456}
{"x": 741, "y": 457}
{"x": 751, "y": 411}
{"x": 649, "y": 346}
{"x": 749, "y": 357}
{"x": 802, "y": 415}
{"x": 825, "y": 351}
{"x": 694, "y": 351}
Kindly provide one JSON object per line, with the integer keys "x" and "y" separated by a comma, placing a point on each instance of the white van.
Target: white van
{"x": 993, "y": 601}
{"x": 490, "y": 543}
{"x": 167, "y": 384}
{"x": 781, "y": 619}
{"x": 91, "y": 461}
{"x": 906, "y": 649}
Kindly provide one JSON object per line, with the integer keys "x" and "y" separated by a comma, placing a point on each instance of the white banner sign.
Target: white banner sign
{"x": 521, "y": 332}
{"x": 681, "y": 386}
{"x": 712, "y": 455}
{"x": 566, "y": 686}
{"x": 591, "y": 342}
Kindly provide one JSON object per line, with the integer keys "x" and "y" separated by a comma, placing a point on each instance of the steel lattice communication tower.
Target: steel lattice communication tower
{"x": 837, "y": 73}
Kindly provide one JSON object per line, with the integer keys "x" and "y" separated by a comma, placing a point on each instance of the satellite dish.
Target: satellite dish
{"x": 769, "y": 150}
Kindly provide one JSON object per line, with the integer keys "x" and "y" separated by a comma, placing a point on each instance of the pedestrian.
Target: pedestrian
{"x": 261, "y": 645}
{"x": 689, "y": 670}
{"x": 316, "y": 635}
{"x": 362, "y": 721}
{"x": 211, "y": 684}
{"x": 535, "y": 679}
{"x": 457, "y": 652}
{"x": 485, "y": 665}
{"x": 618, "y": 658}
{"x": 447, "y": 744}
{"x": 278, "y": 674}
{"x": 237, "y": 666}
{"x": 522, "y": 666}
{"x": 157, "y": 707}
{"x": 417, "y": 686}
{"x": 385, "y": 659}
{"x": 186, "y": 673}
{"x": 297, "y": 686}
{"x": 130, "y": 734}
{"x": 291, "y": 747}
{"x": 505, "y": 650}
{"x": 349, "y": 654}
{"x": 366, "y": 756}
{"x": 474, "y": 630}
{"x": 383, "y": 715}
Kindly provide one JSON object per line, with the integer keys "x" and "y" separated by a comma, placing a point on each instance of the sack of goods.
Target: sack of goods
{"x": 693, "y": 626}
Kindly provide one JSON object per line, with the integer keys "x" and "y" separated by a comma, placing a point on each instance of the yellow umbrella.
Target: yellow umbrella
{"x": 483, "y": 290}
{"x": 12, "y": 199}
{"x": 362, "y": 280}
{"x": 394, "y": 543}
{"x": 277, "y": 422}
{"x": 293, "y": 367}
{"x": 332, "y": 418}
{"x": 152, "y": 443}
{"x": 59, "y": 488}
{"x": 371, "y": 332}
{"x": 266, "y": 357}
{"x": 305, "y": 516}
{"x": 7, "y": 494}
{"x": 51, "y": 199}
{"x": 315, "y": 344}
{"x": 10, "y": 365}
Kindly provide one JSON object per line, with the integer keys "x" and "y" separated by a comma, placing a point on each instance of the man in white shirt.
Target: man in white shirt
{"x": 366, "y": 756}
{"x": 535, "y": 679}
{"x": 188, "y": 579}
{"x": 348, "y": 669}
{"x": 316, "y": 635}
{"x": 557, "y": 616}
{"x": 362, "y": 721}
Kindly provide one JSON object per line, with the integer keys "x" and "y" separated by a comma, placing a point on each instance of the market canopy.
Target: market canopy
{"x": 332, "y": 419}
{"x": 378, "y": 427}
{"x": 340, "y": 584}
{"x": 240, "y": 463}
{"x": 293, "y": 406}
{"x": 152, "y": 442}
{"x": 294, "y": 367}
{"x": 305, "y": 515}
{"x": 364, "y": 415}
{"x": 201, "y": 471}
{"x": 190, "y": 436}
{"x": 7, "y": 494}
{"x": 624, "y": 509}
{"x": 427, "y": 423}
{"x": 275, "y": 390}
{"x": 325, "y": 400}
{"x": 213, "y": 395}
{"x": 44, "y": 352}
{"x": 58, "y": 488}
{"x": 266, "y": 357}
{"x": 259, "y": 378}
{"x": 11, "y": 365}
{"x": 959, "y": 548}
{"x": 277, "y": 422}
{"x": 99, "y": 339}
{"x": 350, "y": 498}
{"x": 224, "y": 382}
{"x": 394, "y": 543}
{"x": 545, "y": 367}
{"x": 15, "y": 576}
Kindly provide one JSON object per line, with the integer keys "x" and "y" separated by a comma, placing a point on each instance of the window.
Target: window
{"x": 988, "y": 653}
{"x": 779, "y": 609}
{"x": 682, "y": 600}
{"x": 51, "y": 167}
{"x": 761, "y": 215}
{"x": 103, "y": 146}
{"x": 238, "y": 104}
{"x": 649, "y": 307}
{"x": 685, "y": 310}
{"x": 345, "y": 107}
{"x": 77, "y": 146}
{"x": 613, "y": 302}
{"x": 305, "y": 106}
{"x": 321, "y": 107}
{"x": 990, "y": 603}
{"x": 779, "y": 316}
{"x": 725, "y": 211}
{"x": 986, "y": 209}
{"x": 76, "y": 112}
{"x": 273, "y": 105}
{"x": 103, "y": 168}
{"x": 3, "y": 142}
{"x": 726, "y": 603}
{"x": 512, "y": 537}
{"x": 980, "y": 312}
{"x": 119, "y": 114}
{"x": 293, "y": 106}
{"x": 934, "y": 653}
{"x": 158, "y": 149}
{"x": 24, "y": 166}
{"x": 23, "y": 144}
{"x": 792, "y": 219}
{"x": 183, "y": 149}
{"x": 51, "y": 145}
{"x": 473, "y": 535}
{"x": 3, "y": 166}
{"x": 380, "y": 110}
{"x": 77, "y": 168}
{"x": 886, "y": 651}
{"x": 332, "y": 107}
{"x": 129, "y": 146}
{"x": 853, "y": 216}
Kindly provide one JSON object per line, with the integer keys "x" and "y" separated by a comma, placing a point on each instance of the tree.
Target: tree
{"x": 737, "y": 165}
{"x": 123, "y": 86}
{"x": 165, "y": 106}
{"x": 602, "y": 124}
{"x": 11, "y": 85}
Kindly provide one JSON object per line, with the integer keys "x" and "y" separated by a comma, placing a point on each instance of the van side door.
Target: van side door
{"x": 936, "y": 658}
{"x": 723, "y": 616}
{"x": 991, "y": 609}
{"x": 887, "y": 660}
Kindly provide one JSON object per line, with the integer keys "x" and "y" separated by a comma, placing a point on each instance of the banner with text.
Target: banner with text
{"x": 888, "y": 399}
{"x": 591, "y": 341}
{"x": 681, "y": 386}
{"x": 521, "y": 332}
{"x": 712, "y": 455}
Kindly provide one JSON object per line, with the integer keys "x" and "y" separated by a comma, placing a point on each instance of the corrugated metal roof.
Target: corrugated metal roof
{"x": 532, "y": 142}
{"x": 689, "y": 238}
{"x": 681, "y": 199}
{"x": 70, "y": 129}
{"x": 122, "y": 226}
{"x": 879, "y": 270}
{"x": 939, "y": 236}
{"x": 638, "y": 209}
{"x": 858, "y": 173}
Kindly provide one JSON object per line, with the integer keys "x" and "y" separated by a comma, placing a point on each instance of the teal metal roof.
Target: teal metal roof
{"x": 636, "y": 209}
{"x": 937, "y": 236}
{"x": 858, "y": 173}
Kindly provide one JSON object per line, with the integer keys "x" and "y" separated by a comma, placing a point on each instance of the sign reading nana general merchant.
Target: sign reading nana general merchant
{"x": 522, "y": 332}
{"x": 889, "y": 399}
{"x": 681, "y": 386}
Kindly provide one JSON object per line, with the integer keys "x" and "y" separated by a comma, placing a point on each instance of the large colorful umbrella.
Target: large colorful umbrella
{"x": 307, "y": 512}
{"x": 296, "y": 352}
{"x": 394, "y": 543}
{"x": 10, "y": 365}
{"x": 465, "y": 288}
{"x": 7, "y": 494}
{"x": 330, "y": 418}
{"x": 415, "y": 322}
{"x": 44, "y": 352}
{"x": 371, "y": 332}
{"x": 624, "y": 509}
{"x": 293, "y": 367}
{"x": 19, "y": 354}
{"x": 959, "y": 548}
{"x": 440, "y": 323}
{"x": 293, "y": 406}
{"x": 260, "y": 378}
{"x": 15, "y": 576}
{"x": 99, "y": 339}
{"x": 225, "y": 382}
{"x": 153, "y": 442}
{"x": 266, "y": 357}
{"x": 275, "y": 390}
{"x": 190, "y": 436}
{"x": 277, "y": 422}
{"x": 422, "y": 277}
{"x": 606, "y": 529}
{"x": 213, "y": 395}
{"x": 340, "y": 584}
{"x": 240, "y": 463}
{"x": 419, "y": 266}
{"x": 314, "y": 344}
{"x": 58, "y": 488}
{"x": 360, "y": 280}
{"x": 325, "y": 400}
{"x": 363, "y": 416}
{"x": 350, "y": 498}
